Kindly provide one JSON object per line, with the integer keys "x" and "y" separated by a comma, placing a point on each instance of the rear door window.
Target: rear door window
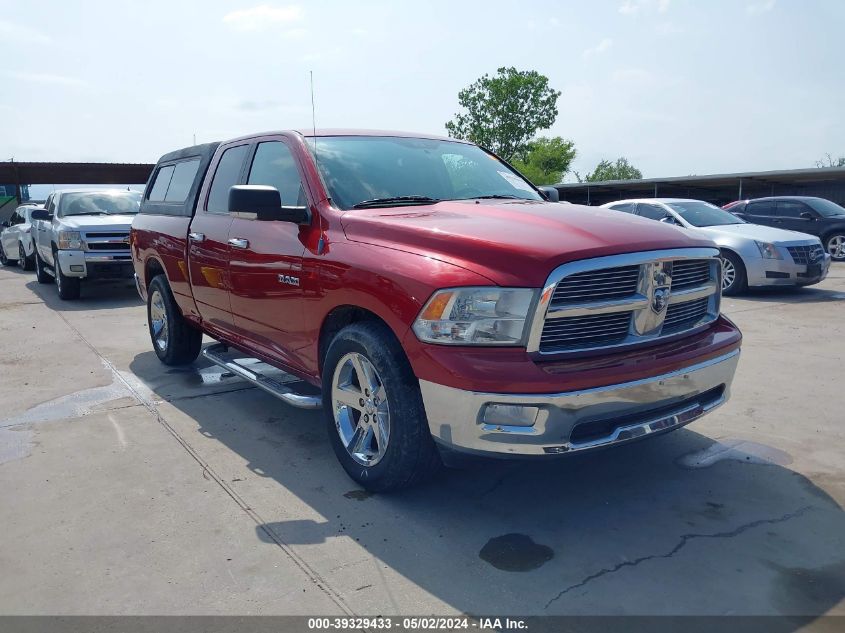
{"x": 651, "y": 211}
{"x": 227, "y": 175}
{"x": 762, "y": 208}
{"x": 625, "y": 207}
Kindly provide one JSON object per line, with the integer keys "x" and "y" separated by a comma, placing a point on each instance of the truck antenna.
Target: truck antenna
{"x": 321, "y": 244}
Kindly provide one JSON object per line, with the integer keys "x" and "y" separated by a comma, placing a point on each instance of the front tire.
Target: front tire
{"x": 374, "y": 412}
{"x": 733, "y": 274}
{"x": 41, "y": 274}
{"x": 26, "y": 263}
{"x": 175, "y": 341}
{"x": 69, "y": 287}
{"x": 835, "y": 245}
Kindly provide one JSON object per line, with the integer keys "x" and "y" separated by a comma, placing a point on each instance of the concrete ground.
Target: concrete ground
{"x": 127, "y": 487}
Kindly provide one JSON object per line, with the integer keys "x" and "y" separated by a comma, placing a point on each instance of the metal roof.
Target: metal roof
{"x": 812, "y": 174}
{"x": 38, "y": 173}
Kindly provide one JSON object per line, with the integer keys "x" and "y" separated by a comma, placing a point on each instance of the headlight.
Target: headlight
{"x": 70, "y": 240}
{"x": 475, "y": 316}
{"x": 768, "y": 251}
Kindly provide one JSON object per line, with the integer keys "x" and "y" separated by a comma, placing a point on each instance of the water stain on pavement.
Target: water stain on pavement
{"x": 358, "y": 495}
{"x": 735, "y": 450}
{"x": 515, "y": 552}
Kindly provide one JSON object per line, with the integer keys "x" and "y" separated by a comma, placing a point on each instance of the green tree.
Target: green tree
{"x": 544, "y": 161}
{"x": 503, "y": 112}
{"x": 830, "y": 161}
{"x": 606, "y": 170}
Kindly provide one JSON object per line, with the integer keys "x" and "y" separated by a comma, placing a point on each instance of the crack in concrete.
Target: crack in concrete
{"x": 685, "y": 538}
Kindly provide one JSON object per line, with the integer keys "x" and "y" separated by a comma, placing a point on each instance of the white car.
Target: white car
{"x": 752, "y": 254}
{"x": 84, "y": 235}
{"x": 16, "y": 245}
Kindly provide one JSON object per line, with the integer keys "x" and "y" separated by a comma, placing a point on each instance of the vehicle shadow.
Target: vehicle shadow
{"x": 789, "y": 294}
{"x": 96, "y": 295}
{"x": 636, "y": 530}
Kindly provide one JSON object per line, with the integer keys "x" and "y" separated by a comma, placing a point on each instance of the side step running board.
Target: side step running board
{"x": 217, "y": 354}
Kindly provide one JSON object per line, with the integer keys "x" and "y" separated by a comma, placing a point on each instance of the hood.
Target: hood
{"x": 756, "y": 232}
{"x": 509, "y": 242}
{"x": 97, "y": 222}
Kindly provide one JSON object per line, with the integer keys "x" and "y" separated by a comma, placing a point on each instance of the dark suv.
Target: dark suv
{"x": 816, "y": 216}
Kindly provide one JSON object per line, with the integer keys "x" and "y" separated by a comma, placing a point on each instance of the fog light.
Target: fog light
{"x": 510, "y": 415}
{"x": 75, "y": 268}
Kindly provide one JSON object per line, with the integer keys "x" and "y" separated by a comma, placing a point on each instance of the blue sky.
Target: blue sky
{"x": 678, "y": 86}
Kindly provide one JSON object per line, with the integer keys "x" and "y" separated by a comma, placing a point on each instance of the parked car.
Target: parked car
{"x": 815, "y": 216}
{"x": 16, "y": 245}
{"x": 84, "y": 235}
{"x": 429, "y": 298}
{"x": 752, "y": 255}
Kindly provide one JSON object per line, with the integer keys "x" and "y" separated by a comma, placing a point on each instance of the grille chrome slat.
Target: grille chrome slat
{"x": 604, "y": 304}
{"x": 805, "y": 254}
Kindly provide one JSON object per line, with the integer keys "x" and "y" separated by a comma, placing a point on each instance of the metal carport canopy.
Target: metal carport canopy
{"x": 30, "y": 173}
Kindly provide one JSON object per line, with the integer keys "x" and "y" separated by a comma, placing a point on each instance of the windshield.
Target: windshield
{"x": 826, "y": 208}
{"x": 100, "y": 203}
{"x": 359, "y": 169}
{"x": 700, "y": 213}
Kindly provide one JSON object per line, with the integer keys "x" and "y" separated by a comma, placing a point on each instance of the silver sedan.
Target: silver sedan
{"x": 752, "y": 254}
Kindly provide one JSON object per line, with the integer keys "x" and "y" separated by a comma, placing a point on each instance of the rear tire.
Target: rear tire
{"x": 383, "y": 444}
{"x": 174, "y": 339}
{"x": 41, "y": 274}
{"x": 4, "y": 261}
{"x": 68, "y": 287}
{"x": 26, "y": 263}
{"x": 734, "y": 280}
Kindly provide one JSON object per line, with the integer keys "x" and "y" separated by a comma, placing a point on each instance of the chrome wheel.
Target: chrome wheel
{"x": 836, "y": 246}
{"x": 158, "y": 320}
{"x": 21, "y": 256}
{"x": 360, "y": 407}
{"x": 728, "y": 273}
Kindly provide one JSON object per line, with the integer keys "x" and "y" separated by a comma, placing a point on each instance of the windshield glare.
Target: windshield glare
{"x": 360, "y": 168}
{"x": 96, "y": 203}
{"x": 826, "y": 208}
{"x": 700, "y": 213}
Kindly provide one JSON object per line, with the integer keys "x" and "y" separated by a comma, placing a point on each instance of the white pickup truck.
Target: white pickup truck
{"x": 84, "y": 235}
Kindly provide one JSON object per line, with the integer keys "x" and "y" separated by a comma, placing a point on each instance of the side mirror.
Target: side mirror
{"x": 4, "y": 224}
{"x": 551, "y": 194}
{"x": 669, "y": 220}
{"x": 40, "y": 214}
{"x": 807, "y": 215}
{"x": 266, "y": 203}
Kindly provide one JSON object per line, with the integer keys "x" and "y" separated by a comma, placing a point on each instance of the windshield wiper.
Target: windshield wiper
{"x": 381, "y": 202}
{"x": 497, "y": 196}
{"x": 88, "y": 213}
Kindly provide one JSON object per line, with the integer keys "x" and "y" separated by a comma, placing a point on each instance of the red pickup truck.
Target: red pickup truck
{"x": 430, "y": 299}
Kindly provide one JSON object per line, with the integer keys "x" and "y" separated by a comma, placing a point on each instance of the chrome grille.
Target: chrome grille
{"x": 585, "y": 331}
{"x": 103, "y": 241}
{"x": 688, "y": 274}
{"x": 627, "y": 299}
{"x": 807, "y": 254}
{"x": 682, "y": 316}
{"x": 597, "y": 285}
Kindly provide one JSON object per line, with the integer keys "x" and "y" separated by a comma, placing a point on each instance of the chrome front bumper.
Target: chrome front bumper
{"x": 577, "y": 420}
{"x": 76, "y": 263}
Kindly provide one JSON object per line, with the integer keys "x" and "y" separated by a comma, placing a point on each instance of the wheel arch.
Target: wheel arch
{"x": 340, "y": 317}
{"x": 152, "y": 268}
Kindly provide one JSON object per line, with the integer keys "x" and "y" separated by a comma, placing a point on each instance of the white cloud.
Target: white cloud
{"x": 602, "y": 47}
{"x": 632, "y": 7}
{"x": 11, "y": 32}
{"x": 45, "y": 78}
{"x": 756, "y": 8}
{"x": 262, "y": 16}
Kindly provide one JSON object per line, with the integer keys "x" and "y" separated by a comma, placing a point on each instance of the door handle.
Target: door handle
{"x": 239, "y": 242}
{"x": 196, "y": 237}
